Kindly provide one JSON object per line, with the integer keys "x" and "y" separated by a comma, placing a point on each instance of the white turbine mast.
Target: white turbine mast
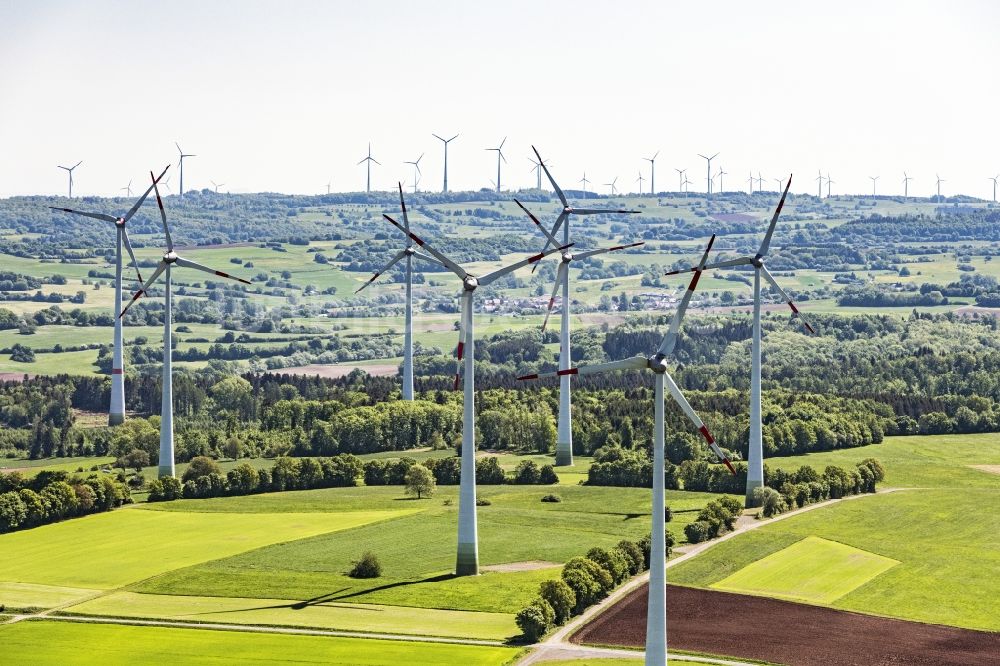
{"x": 180, "y": 165}
{"x": 708, "y": 176}
{"x": 369, "y": 159}
{"x": 499, "y": 151}
{"x": 652, "y": 172}
{"x": 445, "y": 142}
{"x": 69, "y": 172}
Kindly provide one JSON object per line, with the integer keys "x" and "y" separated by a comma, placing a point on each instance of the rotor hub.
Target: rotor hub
{"x": 567, "y": 257}
{"x": 170, "y": 257}
{"x": 658, "y": 364}
{"x": 410, "y": 251}
{"x": 470, "y": 283}
{"x": 757, "y": 261}
{"x": 120, "y": 222}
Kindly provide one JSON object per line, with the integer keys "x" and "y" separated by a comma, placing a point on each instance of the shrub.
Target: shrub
{"x": 551, "y": 498}
{"x": 489, "y": 472}
{"x": 527, "y": 473}
{"x": 482, "y": 501}
{"x": 698, "y": 531}
{"x": 547, "y": 475}
{"x": 368, "y": 566}
{"x": 165, "y": 490}
{"x": 535, "y": 619}
{"x": 560, "y": 598}
{"x": 875, "y": 466}
{"x": 633, "y": 553}
{"x": 612, "y": 561}
{"x": 200, "y": 466}
{"x": 769, "y": 500}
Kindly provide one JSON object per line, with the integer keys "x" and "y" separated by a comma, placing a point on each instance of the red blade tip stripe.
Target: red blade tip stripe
{"x": 694, "y": 281}
{"x": 116, "y": 371}
{"x": 461, "y": 350}
{"x": 792, "y": 306}
{"x": 457, "y": 379}
{"x": 568, "y": 371}
{"x": 707, "y": 435}
{"x": 532, "y": 376}
{"x": 729, "y": 465}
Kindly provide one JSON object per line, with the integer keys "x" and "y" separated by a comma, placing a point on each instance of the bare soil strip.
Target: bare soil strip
{"x": 789, "y": 633}
{"x": 992, "y": 469}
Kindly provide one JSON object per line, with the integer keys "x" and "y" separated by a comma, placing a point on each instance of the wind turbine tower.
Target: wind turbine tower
{"x": 680, "y": 178}
{"x": 445, "y": 142}
{"x": 639, "y": 180}
{"x": 564, "y": 439}
{"x": 719, "y": 176}
{"x": 994, "y": 179}
{"x": 170, "y": 259}
{"x": 652, "y": 172}
{"x": 873, "y": 179}
{"x": 369, "y": 159}
{"x": 819, "y": 179}
{"x": 750, "y": 181}
{"x": 829, "y": 182}
{"x": 467, "y": 561}
{"x": 180, "y": 164}
{"x": 939, "y": 181}
{"x": 407, "y": 253}
{"x": 116, "y": 410}
{"x": 755, "y": 461}
{"x": 906, "y": 185}
{"x": 499, "y": 151}
{"x": 127, "y": 189}
{"x": 612, "y": 185}
{"x": 69, "y": 171}
{"x": 708, "y": 177}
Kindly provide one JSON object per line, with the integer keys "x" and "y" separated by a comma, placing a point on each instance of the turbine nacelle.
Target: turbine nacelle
{"x": 658, "y": 363}
{"x": 567, "y": 257}
{"x": 170, "y": 257}
{"x": 470, "y": 282}
{"x": 757, "y": 261}
{"x": 409, "y": 251}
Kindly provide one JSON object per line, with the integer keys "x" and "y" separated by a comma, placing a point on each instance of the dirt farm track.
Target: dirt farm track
{"x": 789, "y": 633}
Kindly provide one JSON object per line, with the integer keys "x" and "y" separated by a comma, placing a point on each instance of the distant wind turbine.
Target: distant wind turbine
{"x": 369, "y": 159}
{"x": 614, "y": 190}
{"x": 819, "y": 179}
{"x": 685, "y": 184}
{"x": 328, "y": 184}
{"x": 780, "y": 182}
{"x": 180, "y": 164}
{"x": 69, "y": 170}
{"x": 939, "y": 181}
{"x": 873, "y": 179}
{"x": 708, "y": 177}
{"x": 994, "y": 179}
{"x": 639, "y": 180}
{"x": 445, "y": 142}
{"x": 416, "y": 170}
{"x": 170, "y": 259}
{"x": 652, "y": 172}
{"x": 538, "y": 173}
{"x": 680, "y": 178}
{"x": 906, "y": 185}
{"x": 127, "y": 189}
{"x": 584, "y": 181}
{"x": 760, "y": 181}
{"x": 750, "y": 181}
{"x": 719, "y": 176}
{"x": 499, "y": 151}
{"x": 217, "y": 185}
{"x": 829, "y": 182}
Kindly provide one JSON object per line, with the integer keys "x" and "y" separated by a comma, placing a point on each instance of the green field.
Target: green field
{"x": 813, "y": 570}
{"x": 70, "y": 643}
{"x": 108, "y": 550}
{"x": 941, "y": 531}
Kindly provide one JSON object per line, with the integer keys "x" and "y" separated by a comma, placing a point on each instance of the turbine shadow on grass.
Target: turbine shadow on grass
{"x": 330, "y": 597}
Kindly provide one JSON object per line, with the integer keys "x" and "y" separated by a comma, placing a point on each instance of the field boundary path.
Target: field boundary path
{"x": 557, "y": 646}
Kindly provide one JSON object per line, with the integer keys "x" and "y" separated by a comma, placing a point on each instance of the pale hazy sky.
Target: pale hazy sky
{"x": 284, "y": 95}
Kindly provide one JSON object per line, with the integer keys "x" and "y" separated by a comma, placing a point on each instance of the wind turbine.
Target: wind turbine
{"x": 170, "y": 259}
{"x": 687, "y": 189}
{"x": 755, "y": 470}
{"x": 564, "y": 440}
{"x": 328, "y": 184}
{"x": 416, "y": 170}
{"x": 538, "y": 173}
{"x": 69, "y": 170}
{"x": 369, "y": 159}
{"x": 116, "y": 411}
{"x": 656, "y": 610}
{"x": 994, "y": 179}
{"x": 407, "y": 253}
{"x": 760, "y": 182}
{"x": 906, "y": 185}
{"x": 652, "y": 172}
{"x": 680, "y": 178}
{"x": 829, "y": 182}
{"x": 708, "y": 177}
{"x": 584, "y": 181}
{"x": 750, "y": 180}
{"x": 939, "y": 181}
{"x": 217, "y": 185}
{"x": 445, "y": 142}
{"x": 612, "y": 185}
{"x": 873, "y": 179}
{"x": 180, "y": 163}
{"x": 639, "y": 180}
{"x": 720, "y": 175}
{"x": 819, "y": 179}
{"x": 467, "y": 562}
{"x": 127, "y": 189}
{"x": 165, "y": 182}
{"x": 780, "y": 182}
{"x": 499, "y": 150}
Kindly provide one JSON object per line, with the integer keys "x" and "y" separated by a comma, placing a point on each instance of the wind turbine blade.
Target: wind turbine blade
{"x": 685, "y": 406}
{"x": 795, "y": 310}
{"x": 131, "y": 254}
{"x": 541, "y": 227}
{"x": 402, "y": 205}
{"x": 559, "y": 192}
{"x": 163, "y": 214}
{"x": 634, "y": 363}
{"x": 774, "y": 220}
{"x": 729, "y": 263}
{"x": 602, "y": 211}
{"x": 507, "y": 270}
{"x": 670, "y": 339}
{"x": 561, "y": 275}
{"x": 448, "y": 263}
{"x": 399, "y": 255}
{"x": 96, "y": 216}
{"x": 426, "y": 257}
{"x": 162, "y": 266}
{"x": 605, "y": 250}
{"x": 138, "y": 204}
{"x": 187, "y": 263}
{"x": 463, "y": 324}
